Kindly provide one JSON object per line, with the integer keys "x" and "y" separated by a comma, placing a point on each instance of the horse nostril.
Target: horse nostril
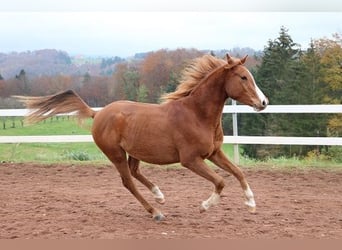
{"x": 264, "y": 103}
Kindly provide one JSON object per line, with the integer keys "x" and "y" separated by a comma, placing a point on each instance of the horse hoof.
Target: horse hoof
{"x": 252, "y": 210}
{"x": 160, "y": 200}
{"x": 203, "y": 208}
{"x": 158, "y": 217}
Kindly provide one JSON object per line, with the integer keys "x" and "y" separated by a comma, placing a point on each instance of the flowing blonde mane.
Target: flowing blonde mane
{"x": 192, "y": 76}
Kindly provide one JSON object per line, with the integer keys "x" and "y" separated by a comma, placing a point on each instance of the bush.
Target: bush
{"x": 78, "y": 156}
{"x": 335, "y": 153}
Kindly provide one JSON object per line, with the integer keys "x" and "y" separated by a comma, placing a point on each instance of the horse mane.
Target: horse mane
{"x": 192, "y": 76}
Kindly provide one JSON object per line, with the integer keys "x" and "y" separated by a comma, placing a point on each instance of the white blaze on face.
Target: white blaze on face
{"x": 263, "y": 99}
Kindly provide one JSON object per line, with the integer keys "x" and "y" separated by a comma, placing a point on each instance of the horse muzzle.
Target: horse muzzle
{"x": 261, "y": 105}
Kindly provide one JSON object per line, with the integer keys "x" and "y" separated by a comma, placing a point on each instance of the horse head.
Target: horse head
{"x": 240, "y": 84}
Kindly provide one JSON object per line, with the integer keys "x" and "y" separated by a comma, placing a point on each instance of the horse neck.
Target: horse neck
{"x": 209, "y": 97}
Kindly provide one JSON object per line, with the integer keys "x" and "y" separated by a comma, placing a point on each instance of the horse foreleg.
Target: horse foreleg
{"x": 133, "y": 164}
{"x": 199, "y": 167}
{"x": 219, "y": 159}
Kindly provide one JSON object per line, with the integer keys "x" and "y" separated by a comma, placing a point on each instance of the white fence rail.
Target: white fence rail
{"x": 227, "y": 139}
{"x": 285, "y": 109}
{"x": 289, "y": 109}
{"x": 45, "y": 138}
{"x": 277, "y": 140}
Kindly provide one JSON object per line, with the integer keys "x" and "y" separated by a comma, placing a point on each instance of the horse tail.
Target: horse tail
{"x": 44, "y": 107}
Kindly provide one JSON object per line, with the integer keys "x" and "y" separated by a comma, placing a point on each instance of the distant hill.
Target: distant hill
{"x": 40, "y": 62}
{"x": 55, "y": 62}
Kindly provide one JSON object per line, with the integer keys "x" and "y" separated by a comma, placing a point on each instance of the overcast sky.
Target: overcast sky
{"x": 122, "y": 29}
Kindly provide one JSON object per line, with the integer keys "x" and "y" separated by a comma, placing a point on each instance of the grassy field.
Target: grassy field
{"x": 49, "y": 152}
{"x": 88, "y": 152}
{"x": 53, "y": 126}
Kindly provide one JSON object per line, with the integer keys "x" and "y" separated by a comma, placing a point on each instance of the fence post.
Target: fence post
{"x": 235, "y": 133}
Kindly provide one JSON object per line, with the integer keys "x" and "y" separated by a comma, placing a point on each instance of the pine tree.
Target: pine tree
{"x": 23, "y": 82}
{"x": 285, "y": 79}
{"x": 131, "y": 80}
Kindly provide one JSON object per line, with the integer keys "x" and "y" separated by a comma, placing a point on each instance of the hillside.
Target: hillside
{"x": 49, "y": 62}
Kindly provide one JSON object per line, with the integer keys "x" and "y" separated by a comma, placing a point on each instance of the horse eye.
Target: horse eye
{"x": 244, "y": 78}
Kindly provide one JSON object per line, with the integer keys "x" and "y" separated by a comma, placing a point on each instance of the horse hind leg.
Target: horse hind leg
{"x": 118, "y": 157}
{"x": 220, "y": 160}
{"x": 133, "y": 164}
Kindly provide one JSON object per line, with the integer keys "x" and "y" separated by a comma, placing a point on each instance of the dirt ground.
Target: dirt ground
{"x": 77, "y": 202}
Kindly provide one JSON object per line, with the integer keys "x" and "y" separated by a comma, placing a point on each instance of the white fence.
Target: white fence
{"x": 235, "y": 139}
{"x": 284, "y": 109}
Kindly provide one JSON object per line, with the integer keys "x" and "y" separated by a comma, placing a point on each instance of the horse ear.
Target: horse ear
{"x": 243, "y": 60}
{"x": 229, "y": 59}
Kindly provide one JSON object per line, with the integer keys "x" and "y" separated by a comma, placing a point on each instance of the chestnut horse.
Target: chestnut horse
{"x": 186, "y": 127}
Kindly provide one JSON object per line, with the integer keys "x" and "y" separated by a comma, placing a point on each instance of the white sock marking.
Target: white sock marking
{"x": 157, "y": 194}
{"x": 214, "y": 199}
{"x": 249, "y": 197}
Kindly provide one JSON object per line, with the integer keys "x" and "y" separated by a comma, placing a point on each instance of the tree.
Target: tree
{"x": 2, "y": 87}
{"x": 142, "y": 94}
{"x": 331, "y": 61}
{"x": 287, "y": 75}
{"x": 131, "y": 81}
{"x": 23, "y": 82}
{"x": 155, "y": 71}
{"x": 161, "y": 70}
{"x": 117, "y": 79}
{"x": 172, "y": 83}
{"x": 330, "y": 51}
{"x": 314, "y": 88}
{"x": 47, "y": 85}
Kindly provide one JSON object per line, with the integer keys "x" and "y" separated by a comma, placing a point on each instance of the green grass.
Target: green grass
{"x": 228, "y": 149}
{"x": 283, "y": 163}
{"x": 53, "y": 126}
{"x": 49, "y": 152}
{"x": 88, "y": 152}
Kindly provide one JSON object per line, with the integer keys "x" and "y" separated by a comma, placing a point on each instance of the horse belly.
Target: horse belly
{"x": 150, "y": 142}
{"x": 155, "y": 153}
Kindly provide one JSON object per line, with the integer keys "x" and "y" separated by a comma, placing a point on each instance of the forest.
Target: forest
{"x": 284, "y": 71}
